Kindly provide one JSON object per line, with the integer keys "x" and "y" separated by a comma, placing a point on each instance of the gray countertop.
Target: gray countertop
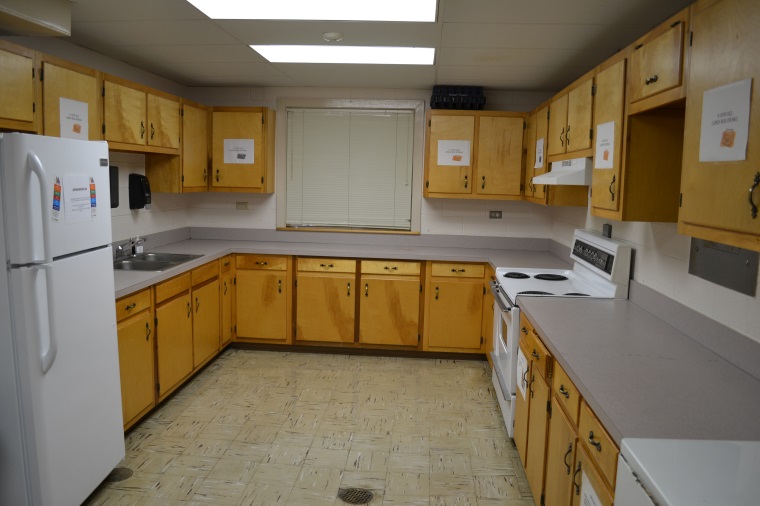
{"x": 642, "y": 377}
{"x": 128, "y": 282}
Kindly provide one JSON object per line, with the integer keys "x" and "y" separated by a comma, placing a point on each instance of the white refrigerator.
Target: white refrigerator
{"x": 60, "y": 397}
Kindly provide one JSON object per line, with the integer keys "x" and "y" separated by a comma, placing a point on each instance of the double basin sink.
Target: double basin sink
{"x": 155, "y": 262}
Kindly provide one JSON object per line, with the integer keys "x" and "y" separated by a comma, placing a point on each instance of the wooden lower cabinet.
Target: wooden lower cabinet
{"x": 136, "y": 356}
{"x": 522, "y": 400}
{"x": 325, "y": 307}
{"x": 538, "y": 421}
{"x": 174, "y": 336}
{"x": 225, "y": 300}
{"x": 262, "y": 297}
{"x": 560, "y": 455}
{"x": 587, "y": 483}
{"x": 205, "y": 322}
{"x": 389, "y": 303}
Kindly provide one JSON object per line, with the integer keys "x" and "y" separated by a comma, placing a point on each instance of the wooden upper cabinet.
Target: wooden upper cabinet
{"x": 242, "y": 148}
{"x": 195, "y": 159}
{"x": 535, "y": 133}
{"x": 67, "y": 91}
{"x": 500, "y": 151}
{"x": 124, "y": 113}
{"x": 570, "y": 120}
{"x": 609, "y": 107}
{"x": 657, "y": 62}
{"x": 163, "y": 122}
{"x": 449, "y": 170}
{"x": 17, "y": 88}
{"x": 716, "y": 195}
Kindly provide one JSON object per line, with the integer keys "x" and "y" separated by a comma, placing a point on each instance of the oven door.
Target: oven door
{"x": 506, "y": 338}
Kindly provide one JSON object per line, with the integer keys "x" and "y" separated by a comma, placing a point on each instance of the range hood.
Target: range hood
{"x": 567, "y": 172}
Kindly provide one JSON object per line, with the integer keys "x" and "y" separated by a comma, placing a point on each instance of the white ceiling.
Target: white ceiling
{"x": 511, "y": 45}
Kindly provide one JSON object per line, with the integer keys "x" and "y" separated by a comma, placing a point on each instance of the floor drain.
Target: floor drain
{"x": 118, "y": 474}
{"x": 355, "y": 495}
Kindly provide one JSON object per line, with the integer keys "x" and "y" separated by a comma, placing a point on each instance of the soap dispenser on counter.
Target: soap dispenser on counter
{"x": 139, "y": 192}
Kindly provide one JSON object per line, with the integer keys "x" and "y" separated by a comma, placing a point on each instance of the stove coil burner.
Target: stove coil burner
{"x": 516, "y": 275}
{"x": 550, "y": 277}
{"x": 577, "y": 294}
{"x": 534, "y": 292}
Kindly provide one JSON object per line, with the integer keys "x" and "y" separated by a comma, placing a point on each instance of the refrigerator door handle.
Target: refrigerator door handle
{"x": 35, "y": 164}
{"x": 46, "y": 357}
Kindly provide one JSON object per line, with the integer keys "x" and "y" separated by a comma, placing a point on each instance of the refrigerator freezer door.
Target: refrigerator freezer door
{"x": 71, "y": 414}
{"x": 76, "y": 203}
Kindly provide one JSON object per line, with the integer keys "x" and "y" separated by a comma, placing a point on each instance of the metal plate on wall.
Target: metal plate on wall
{"x": 728, "y": 266}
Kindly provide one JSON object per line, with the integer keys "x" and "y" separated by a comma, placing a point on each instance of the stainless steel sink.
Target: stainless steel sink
{"x": 152, "y": 261}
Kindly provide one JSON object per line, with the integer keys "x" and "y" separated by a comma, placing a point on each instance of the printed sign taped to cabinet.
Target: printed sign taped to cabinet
{"x": 74, "y": 119}
{"x": 605, "y": 145}
{"x": 725, "y": 122}
{"x": 588, "y": 494}
{"x": 238, "y": 151}
{"x": 456, "y": 153}
{"x": 539, "y": 154}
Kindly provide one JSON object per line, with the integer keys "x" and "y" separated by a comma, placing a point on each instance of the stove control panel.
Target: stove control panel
{"x": 594, "y": 256}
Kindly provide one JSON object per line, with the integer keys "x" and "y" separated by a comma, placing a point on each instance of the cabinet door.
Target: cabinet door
{"x": 608, "y": 109}
{"x": 715, "y": 195}
{"x": 538, "y": 419}
{"x": 530, "y": 155}
{"x": 656, "y": 65}
{"x": 541, "y": 166}
{"x": 124, "y": 112}
{"x": 588, "y": 487}
{"x": 560, "y": 457}
{"x": 174, "y": 335}
{"x": 225, "y": 292}
{"x": 63, "y": 83}
{"x": 325, "y": 307}
{"x": 136, "y": 365}
{"x": 244, "y": 169}
{"x": 205, "y": 322}
{"x": 261, "y": 304}
{"x": 522, "y": 406}
{"x": 445, "y": 174}
{"x": 500, "y": 150}
{"x": 389, "y": 310}
{"x": 17, "y": 85}
{"x": 557, "y": 126}
{"x": 579, "y": 110}
{"x": 456, "y": 309}
{"x": 163, "y": 122}
{"x": 194, "y": 148}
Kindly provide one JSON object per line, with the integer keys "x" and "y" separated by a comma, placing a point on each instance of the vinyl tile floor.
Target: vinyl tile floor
{"x": 272, "y": 428}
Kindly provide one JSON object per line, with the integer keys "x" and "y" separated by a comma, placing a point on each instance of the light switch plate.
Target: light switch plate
{"x": 241, "y": 206}
{"x": 494, "y": 215}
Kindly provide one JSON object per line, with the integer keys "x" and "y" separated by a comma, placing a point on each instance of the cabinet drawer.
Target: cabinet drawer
{"x": 326, "y": 265}
{"x": 390, "y": 267}
{"x": 458, "y": 270}
{"x": 132, "y": 304}
{"x": 225, "y": 264}
{"x": 566, "y": 392}
{"x": 172, "y": 287}
{"x": 656, "y": 63}
{"x": 205, "y": 272}
{"x": 599, "y": 444}
{"x": 261, "y": 262}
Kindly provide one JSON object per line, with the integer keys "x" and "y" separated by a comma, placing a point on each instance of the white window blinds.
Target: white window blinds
{"x": 349, "y": 168}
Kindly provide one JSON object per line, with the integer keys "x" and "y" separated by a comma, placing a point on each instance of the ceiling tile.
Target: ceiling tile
{"x": 117, "y": 33}
{"x": 342, "y": 76}
{"x": 226, "y": 74}
{"x": 521, "y": 57}
{"x": 133, "y": 10}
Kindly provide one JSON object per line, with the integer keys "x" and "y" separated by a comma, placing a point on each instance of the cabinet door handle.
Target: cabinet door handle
{"x": 483, "y": 184}
{"x": 536, "y": 355}
{"x": 142, "y": 130}
{"x": 524, "y": 330}
{"x": 651, "y": 80}
{"x": 147, "y": 331}
{"x": 189, "y": 311}
{"x": 562, "y": 137}
{"x": 279, "y": 286}
{"x": 457, "y": 270}
{"x": 226, "y": 264}
{"x": 466, "y": 180}
{"x": 436, "y": 293}
{"x": 577, "y": 485}
{"x": 525, "y": 378}
{"x": 197, "y": 305}
{"x": 564, "y": 459}
{"x": 225, "y": 288}
{"x": 612, "y": 192}
{"x": 530, "y": 385}
{"x": 348, "y": 293}
{"x": 217, "y": 175}
{"x": 567, "y": 136}
{"x": 564, "y": 392}
{"x": 752, "y": 204}
{"x": 205, "y": 174}
{"x": 366, "y": 289}
{"x": 394, "y": 268}
{"x": 152, "y": 131}
{"x": 593, "y": 443}
{"x": 261, "y": 263}
{"x": 130, "y": 306}
{"x": 327, "y": 266}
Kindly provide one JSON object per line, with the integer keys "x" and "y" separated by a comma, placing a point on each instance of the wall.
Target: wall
{"x": 662, "y": 263}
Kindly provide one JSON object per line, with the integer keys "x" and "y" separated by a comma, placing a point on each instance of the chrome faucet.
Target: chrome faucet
{"x": 127, "y": 248}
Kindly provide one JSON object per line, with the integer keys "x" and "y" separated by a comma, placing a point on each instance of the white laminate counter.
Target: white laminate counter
{"x": 128, "y": 282}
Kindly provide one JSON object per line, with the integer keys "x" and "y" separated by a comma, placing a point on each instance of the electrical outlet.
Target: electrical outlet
{"x": 494, "y": 215}
{"x": 241, "y": 206}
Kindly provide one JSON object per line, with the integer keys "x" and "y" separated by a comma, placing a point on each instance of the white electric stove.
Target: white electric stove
{"x": 601, "y": 269}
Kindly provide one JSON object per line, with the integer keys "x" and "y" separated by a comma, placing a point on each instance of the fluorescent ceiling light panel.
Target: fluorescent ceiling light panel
{"x": 348, "y": 54}
{"x": 327, "y": 10}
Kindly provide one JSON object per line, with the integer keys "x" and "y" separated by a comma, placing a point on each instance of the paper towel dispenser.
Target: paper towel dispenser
{"x": 139, "y": 192}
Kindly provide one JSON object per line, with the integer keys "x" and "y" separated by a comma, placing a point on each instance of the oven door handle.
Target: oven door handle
{"x": 498, "y": 297}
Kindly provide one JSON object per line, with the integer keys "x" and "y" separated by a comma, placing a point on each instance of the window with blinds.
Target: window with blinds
{"x": 349, "y": 168}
